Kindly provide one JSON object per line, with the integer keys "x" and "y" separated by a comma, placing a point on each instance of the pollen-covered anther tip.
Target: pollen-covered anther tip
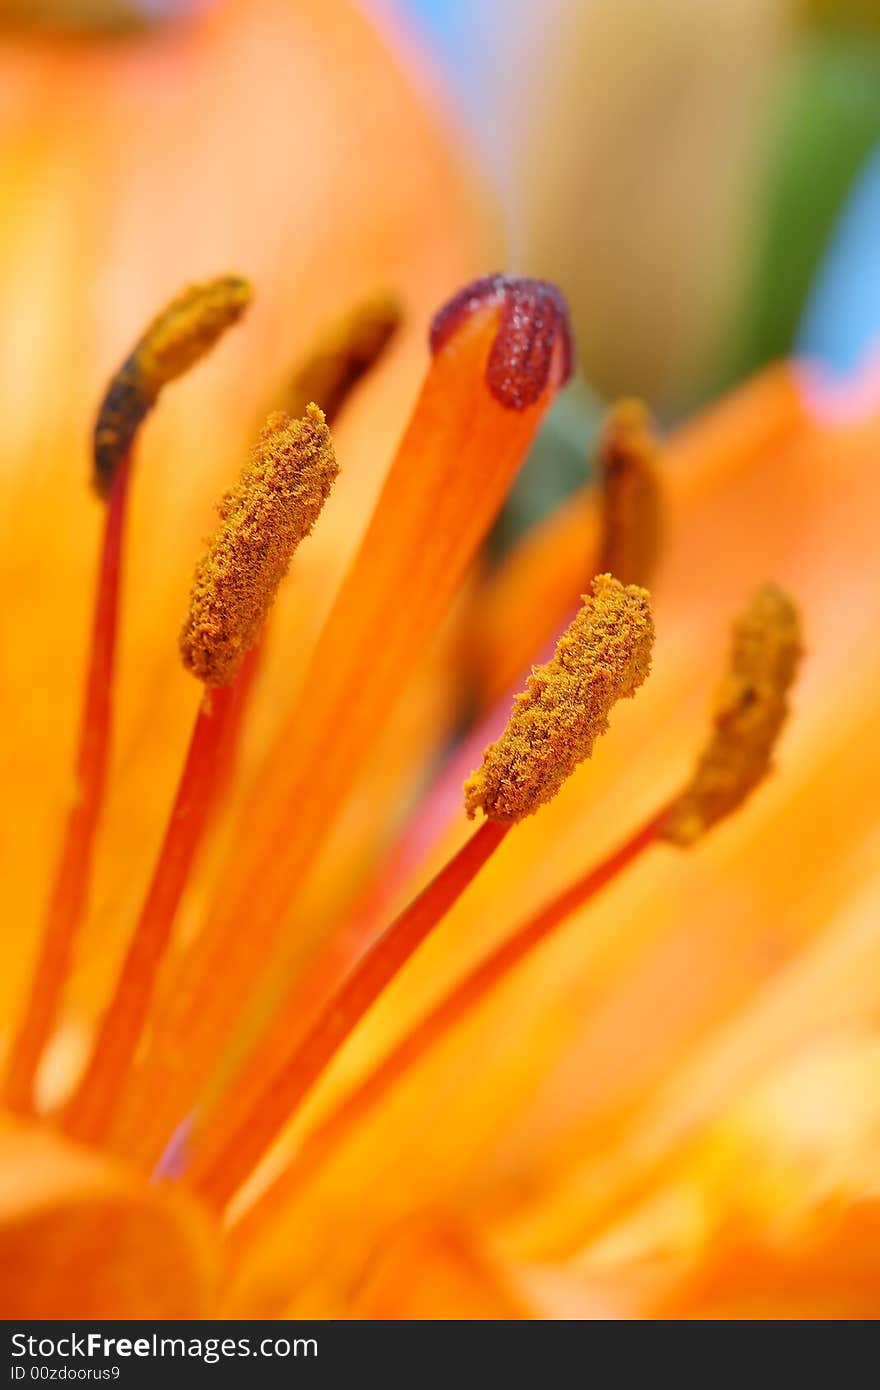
{"x": 533, "y": 340}
{"x": 343, "y": 354}
{"x": 272, "y": 507}
{"x": 750, "y": 710}
{"x": 603, "y": 656}
{"x": 178, "y": 337}
{"x": 630, "y": 493}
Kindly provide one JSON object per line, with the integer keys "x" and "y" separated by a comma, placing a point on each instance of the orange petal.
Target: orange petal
{"x": 830, "y": 1271}
{"x": 80, "y": 1237}
{"x": 436, "y": 1271}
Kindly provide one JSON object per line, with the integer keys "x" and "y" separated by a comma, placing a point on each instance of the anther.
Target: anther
{"x": 176, "y": 339}
{"x": 603, "y": 656}
{"x": 631, "y": 498}
{"x": 342, "y": 355}
{"x": 272, "y": 507}
{"x": 750, "y": 710}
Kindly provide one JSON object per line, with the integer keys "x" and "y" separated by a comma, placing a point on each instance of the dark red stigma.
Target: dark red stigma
{"x": 534, "y": 318}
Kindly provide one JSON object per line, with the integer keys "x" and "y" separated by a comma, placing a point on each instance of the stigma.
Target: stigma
{"x": 533, "y": 328}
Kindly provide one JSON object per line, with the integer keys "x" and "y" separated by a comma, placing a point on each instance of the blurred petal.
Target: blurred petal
{"x": 80, "y": 1237}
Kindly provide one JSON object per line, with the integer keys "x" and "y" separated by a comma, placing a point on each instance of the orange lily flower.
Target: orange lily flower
{"x": 603, "y": 1055}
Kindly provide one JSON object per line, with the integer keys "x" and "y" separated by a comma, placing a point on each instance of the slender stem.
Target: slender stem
{"x": 91, "y": 1109}
{"x": 218, "y": 1176}
{"x": 436, "y": 1025}
{"x": 328, "y": 965}
{"x": 73, "y": 873}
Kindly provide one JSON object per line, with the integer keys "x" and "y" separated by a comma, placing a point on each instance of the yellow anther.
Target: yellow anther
{"x": 272, "y": 507}
{"x": 631, "y": 495}
{"x": 750, "y": 710}
{"x": 176, "y": 339}
{"x": 603, "y": 656}
{"x": 343, "y": 353}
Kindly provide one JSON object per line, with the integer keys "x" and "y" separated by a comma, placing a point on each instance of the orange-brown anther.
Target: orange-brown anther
{"x": 176, "y": 339}
{"x": 750, "y": 711}
{"x": 603, "y": 656}
{"x": 631, "y": 497}
{"x": 272, "y": 507}
{"x": 343, "y": 353}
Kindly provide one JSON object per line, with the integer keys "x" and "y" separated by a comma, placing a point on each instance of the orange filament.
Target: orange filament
{"x": 177, "y": 338}
{"x": 89, "y": 1111}
{"x": 631, "y": 499}
{"x": 70, "y": 887}
{"x": 463, "y": 998}
{"x": 218, "y": 1175}
{"x": 265, "y": 516}
{"x": 452, "y": 470}
{"x": 602, "y": 657}
{"x": 766, "y": 650}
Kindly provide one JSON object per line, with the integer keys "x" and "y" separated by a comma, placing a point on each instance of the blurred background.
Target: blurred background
{"x": 679, "y": 166}
{"x": 702, "y": 177}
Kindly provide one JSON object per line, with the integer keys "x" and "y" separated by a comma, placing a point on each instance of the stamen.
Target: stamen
{"x": 750, "y": 711}
{"x": 91, "y": 1108}
{"x": 265, "y": 516}
{"x": 453, "y": 468}
{"x": 753, "y": 705}
{"x": 526, "y": 587}
{"x": 603, "y": 657}
{"x": 342, "y": 355}
{"x": 218, "y": 1176}
{"x": 631, "y": 497}
{"x": 176, "y": 339}
{"x": 272, "y": 507}
{"x": 464, "y": 997}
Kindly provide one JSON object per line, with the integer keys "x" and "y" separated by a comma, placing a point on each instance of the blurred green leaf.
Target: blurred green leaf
{"x": 828, "y": 124}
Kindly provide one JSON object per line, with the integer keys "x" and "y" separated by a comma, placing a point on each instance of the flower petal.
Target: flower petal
{"x": 81, "y": 1237}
